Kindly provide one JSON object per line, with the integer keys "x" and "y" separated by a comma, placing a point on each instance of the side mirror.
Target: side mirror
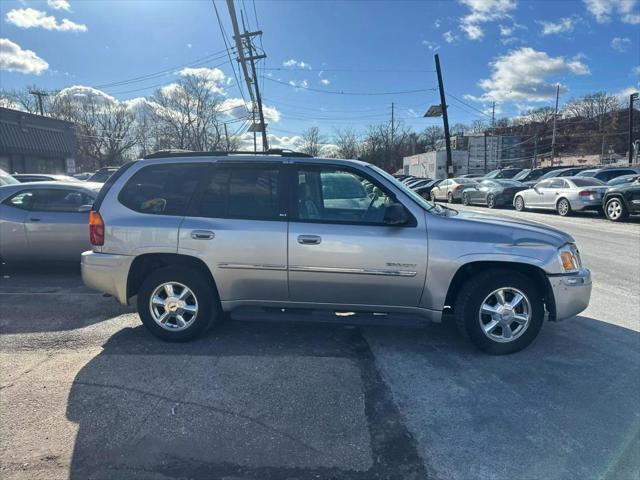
{"x": 395, "y": 214}
{"x": 84, "y": 208}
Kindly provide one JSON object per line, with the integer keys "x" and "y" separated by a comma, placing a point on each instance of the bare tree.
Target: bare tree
{"x": 594, "y": 106}
{"x": 431, "y": 135}
{"x": 311, "y": 141}
{"x": 347, "y": 142}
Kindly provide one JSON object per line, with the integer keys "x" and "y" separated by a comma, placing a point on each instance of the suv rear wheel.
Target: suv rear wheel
{"x": 500, "y": 311}
{"x": 176, "y": 303}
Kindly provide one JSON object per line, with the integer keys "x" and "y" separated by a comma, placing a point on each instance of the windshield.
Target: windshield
{"x": 427, "y": 205}
{"x": 6, "y": 179}
{"x": 508, "y": 183}
{"x": 586, "y": 182}
{"x": 526, "y": 172}
{"x": 464, "y": 181}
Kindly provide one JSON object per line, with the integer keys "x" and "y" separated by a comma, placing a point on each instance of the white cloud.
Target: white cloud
{"x": 31, "y": 18}
{"x": 14, "y": 59}
{"x": 624, "y": 94}
{"x": 604, "y": 10}
{"x": 81, "y": 93}
{"x": 59, "y": 5}
{"x": 565, "y": 25}
{"x": 437, "y": 23}
{"x": 299, "y": 84}
{"x": 433, "y": 46}
{"x": 636, "y": 70}
{"x": 292, "y": 63}
{"x": 483, "y": 11}
{"x": 325, "y": 81}
{"x": 620, "y": 44}
{"x": 522, "y": 75}
{"x": 237, "y": 108}
{"x": 506, "y": 30}
{"x": 214, "y": 76}
{"x": 450, "y": 37}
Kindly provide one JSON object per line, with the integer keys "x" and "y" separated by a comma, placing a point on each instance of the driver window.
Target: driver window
{"x": 335, "y": 195}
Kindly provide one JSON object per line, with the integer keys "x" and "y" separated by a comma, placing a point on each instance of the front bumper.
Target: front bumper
{"x": 107, "y": 273}
{"x": 571, "y": 293}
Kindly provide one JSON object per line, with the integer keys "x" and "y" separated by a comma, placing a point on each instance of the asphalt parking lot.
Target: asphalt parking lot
{"x": 86, "y": 393}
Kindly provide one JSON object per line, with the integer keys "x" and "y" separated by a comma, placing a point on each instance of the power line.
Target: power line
{"x": 357, "y": 70}
{"x": 336, "y": 92}
{"x": 468, "y": 105}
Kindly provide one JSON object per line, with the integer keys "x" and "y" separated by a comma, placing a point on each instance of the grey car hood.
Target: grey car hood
{"x": 520, "y": 231}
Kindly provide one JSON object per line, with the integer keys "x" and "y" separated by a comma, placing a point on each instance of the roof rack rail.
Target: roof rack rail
{"x": 188, "y": 153}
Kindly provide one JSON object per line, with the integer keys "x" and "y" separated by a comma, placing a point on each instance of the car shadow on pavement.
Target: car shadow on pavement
{"x": 251, "y": 400}
{"x": 53, "y": 298}
{"x": 283, "y": 400}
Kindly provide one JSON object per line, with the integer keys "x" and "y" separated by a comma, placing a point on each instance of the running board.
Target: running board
{"x": 254, "y": 314}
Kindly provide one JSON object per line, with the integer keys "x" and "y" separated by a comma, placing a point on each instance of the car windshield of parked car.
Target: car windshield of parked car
{"x": 531, "y": 174}
{"x": 587, "y": 173}
{"x": 465, "y": 181}
{"x": 508, "y": 183}
{"x": 6, "y": 179}
{"x": 587, "y": 182}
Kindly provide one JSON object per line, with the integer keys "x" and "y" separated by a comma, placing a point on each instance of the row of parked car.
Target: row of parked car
{"x": 614, "y": 191}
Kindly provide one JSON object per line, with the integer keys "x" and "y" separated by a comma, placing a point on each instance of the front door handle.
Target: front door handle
{"x": 309, "y": 239}
{"x": 35, "y": 219}
{"x": 202, "y": 234}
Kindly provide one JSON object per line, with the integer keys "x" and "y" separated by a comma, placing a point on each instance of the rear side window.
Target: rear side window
{"x": 60, "y": 200}
{"x": 241, "y": 192}
{"x": 162, "y": 189}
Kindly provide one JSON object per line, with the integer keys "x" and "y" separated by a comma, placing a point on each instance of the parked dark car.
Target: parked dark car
{"x": 623, "y": 179}
{"x": 621, "y": 201}
{"x": 415, "y": 181}
{"x": 492, "y": 193}
{"x": 503, "y": 173}
{"x": 607, "y": 173}
{"x": 425, "y": 190}
{"x": 42, "y": 177}
{"x": 419, "y": 183}
{"x": 103, "y": 174}
{"x": 557, "y": 172}
{"x": 533, "y": 174}
{"x": 472, "y": 175}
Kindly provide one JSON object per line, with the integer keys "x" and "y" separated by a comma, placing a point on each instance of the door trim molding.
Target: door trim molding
{"x": 356, "y": 271}
{"x": 252, "y": 266}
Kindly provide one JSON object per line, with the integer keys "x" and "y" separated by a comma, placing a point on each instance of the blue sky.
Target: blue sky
{"x": 509, "y": 51}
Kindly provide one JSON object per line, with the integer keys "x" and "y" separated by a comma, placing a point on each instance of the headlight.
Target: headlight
{"x": 569, "y": 258}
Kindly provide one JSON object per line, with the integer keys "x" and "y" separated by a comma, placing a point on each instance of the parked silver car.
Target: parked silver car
{"x": 45, "y": 221}
{"x": 563, "y": 194}
{"x": 187, "y": 236}
{"x": 451, "y": 189}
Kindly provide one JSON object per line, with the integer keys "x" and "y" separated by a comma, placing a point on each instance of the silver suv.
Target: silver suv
{"x": 188, "y": 236}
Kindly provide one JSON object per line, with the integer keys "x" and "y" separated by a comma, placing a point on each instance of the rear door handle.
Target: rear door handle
{"x": 309, "y": 239}
{"x": 202, "y": 234}
{"x": 35, "y": 219}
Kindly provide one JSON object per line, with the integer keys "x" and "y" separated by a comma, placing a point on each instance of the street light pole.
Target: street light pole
{"x": 632, "y": 97}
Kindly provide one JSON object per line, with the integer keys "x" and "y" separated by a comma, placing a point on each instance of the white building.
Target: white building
{"x": 432, "y": 164}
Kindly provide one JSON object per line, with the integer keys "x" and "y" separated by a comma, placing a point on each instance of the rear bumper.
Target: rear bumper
{"x": 107, "y": 273}
{"x": 571, "y": 293}
{"x": 587, "y": 203}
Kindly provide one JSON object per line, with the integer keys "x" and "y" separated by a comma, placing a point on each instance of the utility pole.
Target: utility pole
{"x": 390, "y": 152}
{"x": 39, "y": 94}
{"x": 226, "y": 136}
{"x": 555, "y": 116}
{"x": 535, "y": 151}
{"x": 251, "y": 80}
{"x": 485, "y": 151}
{"x": 632, "y": 97}
{"x": 602, "y": 153}
{"x": 445, "y": 118}
{"x": 493, "y": 116}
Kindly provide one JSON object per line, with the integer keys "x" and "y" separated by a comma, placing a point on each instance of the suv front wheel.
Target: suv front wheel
{"x": 176, "y": 303}
{"x": 500, "y": 311}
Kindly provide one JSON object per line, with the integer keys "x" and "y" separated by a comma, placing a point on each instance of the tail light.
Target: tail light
{"x": 458, "y": 187}
{"x": 586, "y": 193}
{"x": 96, "y": 229}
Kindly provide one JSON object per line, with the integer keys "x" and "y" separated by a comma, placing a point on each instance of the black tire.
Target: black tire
{"x": 465, "y": 199}
{"x": 563, "y": 207}
{"x": 518, "y": 203}
{"x": 207, "y": 300}
{"x": 450, "y": 197}
{"x": 491, "y": 201}
{"x": 476, "y": 290}
{"x": 615, "y": 210}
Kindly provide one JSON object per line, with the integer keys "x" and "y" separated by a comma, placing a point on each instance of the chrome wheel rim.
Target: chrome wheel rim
{"x": 519, "y": 203}
{"x": 465, "y": 199}
{"x": 505, "y": 314}
{"x": 173, "y": 306}
{"x": 490, "y": 201}
{"x": 614, "y": 209}
{"x": 563, "y": 207}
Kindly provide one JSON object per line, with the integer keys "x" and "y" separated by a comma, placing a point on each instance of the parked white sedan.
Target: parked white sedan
{"x": 565, "y": 195}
